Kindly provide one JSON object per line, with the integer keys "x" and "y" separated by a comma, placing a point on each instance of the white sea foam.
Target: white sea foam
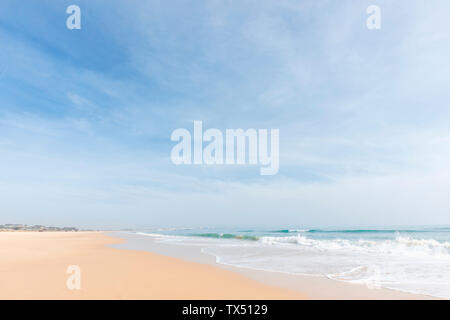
{"x": 402, "y": 263}
{"x": 400, "y": 245}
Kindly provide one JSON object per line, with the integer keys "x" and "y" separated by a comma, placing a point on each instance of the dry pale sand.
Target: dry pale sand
{"x": 33, "y": 265}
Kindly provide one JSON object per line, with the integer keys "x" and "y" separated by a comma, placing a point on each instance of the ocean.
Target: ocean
{"x": 410, "y": 259}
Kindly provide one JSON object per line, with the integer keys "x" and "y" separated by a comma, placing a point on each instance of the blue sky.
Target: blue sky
{"x": 86, "y": 115}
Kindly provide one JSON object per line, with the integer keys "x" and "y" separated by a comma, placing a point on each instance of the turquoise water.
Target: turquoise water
{"x": 412, "y": 259}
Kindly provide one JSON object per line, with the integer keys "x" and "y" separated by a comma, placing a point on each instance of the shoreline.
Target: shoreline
{"x": 121, "y": 265}
{"x": 315, "y": 287}
{"x": 34, "y": 265}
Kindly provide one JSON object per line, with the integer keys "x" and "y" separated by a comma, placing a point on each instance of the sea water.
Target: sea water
{"x": 410, "y": 259}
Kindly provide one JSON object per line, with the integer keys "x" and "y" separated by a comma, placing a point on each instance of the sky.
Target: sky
{"x": 86, "y": 115}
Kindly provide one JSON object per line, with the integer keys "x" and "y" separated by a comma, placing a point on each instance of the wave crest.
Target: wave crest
{"x": 399, "y": 245}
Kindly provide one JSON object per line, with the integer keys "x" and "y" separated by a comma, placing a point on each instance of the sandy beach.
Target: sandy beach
{"x": 33, "y": 265}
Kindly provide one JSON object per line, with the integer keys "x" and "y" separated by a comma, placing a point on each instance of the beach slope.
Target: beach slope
{"x": 34, "y": 265}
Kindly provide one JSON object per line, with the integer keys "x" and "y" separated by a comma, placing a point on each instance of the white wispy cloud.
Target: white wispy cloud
{"x": 85, "y": 119}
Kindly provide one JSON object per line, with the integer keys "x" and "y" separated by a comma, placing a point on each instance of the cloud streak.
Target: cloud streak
{"x": 86, "y": 116}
